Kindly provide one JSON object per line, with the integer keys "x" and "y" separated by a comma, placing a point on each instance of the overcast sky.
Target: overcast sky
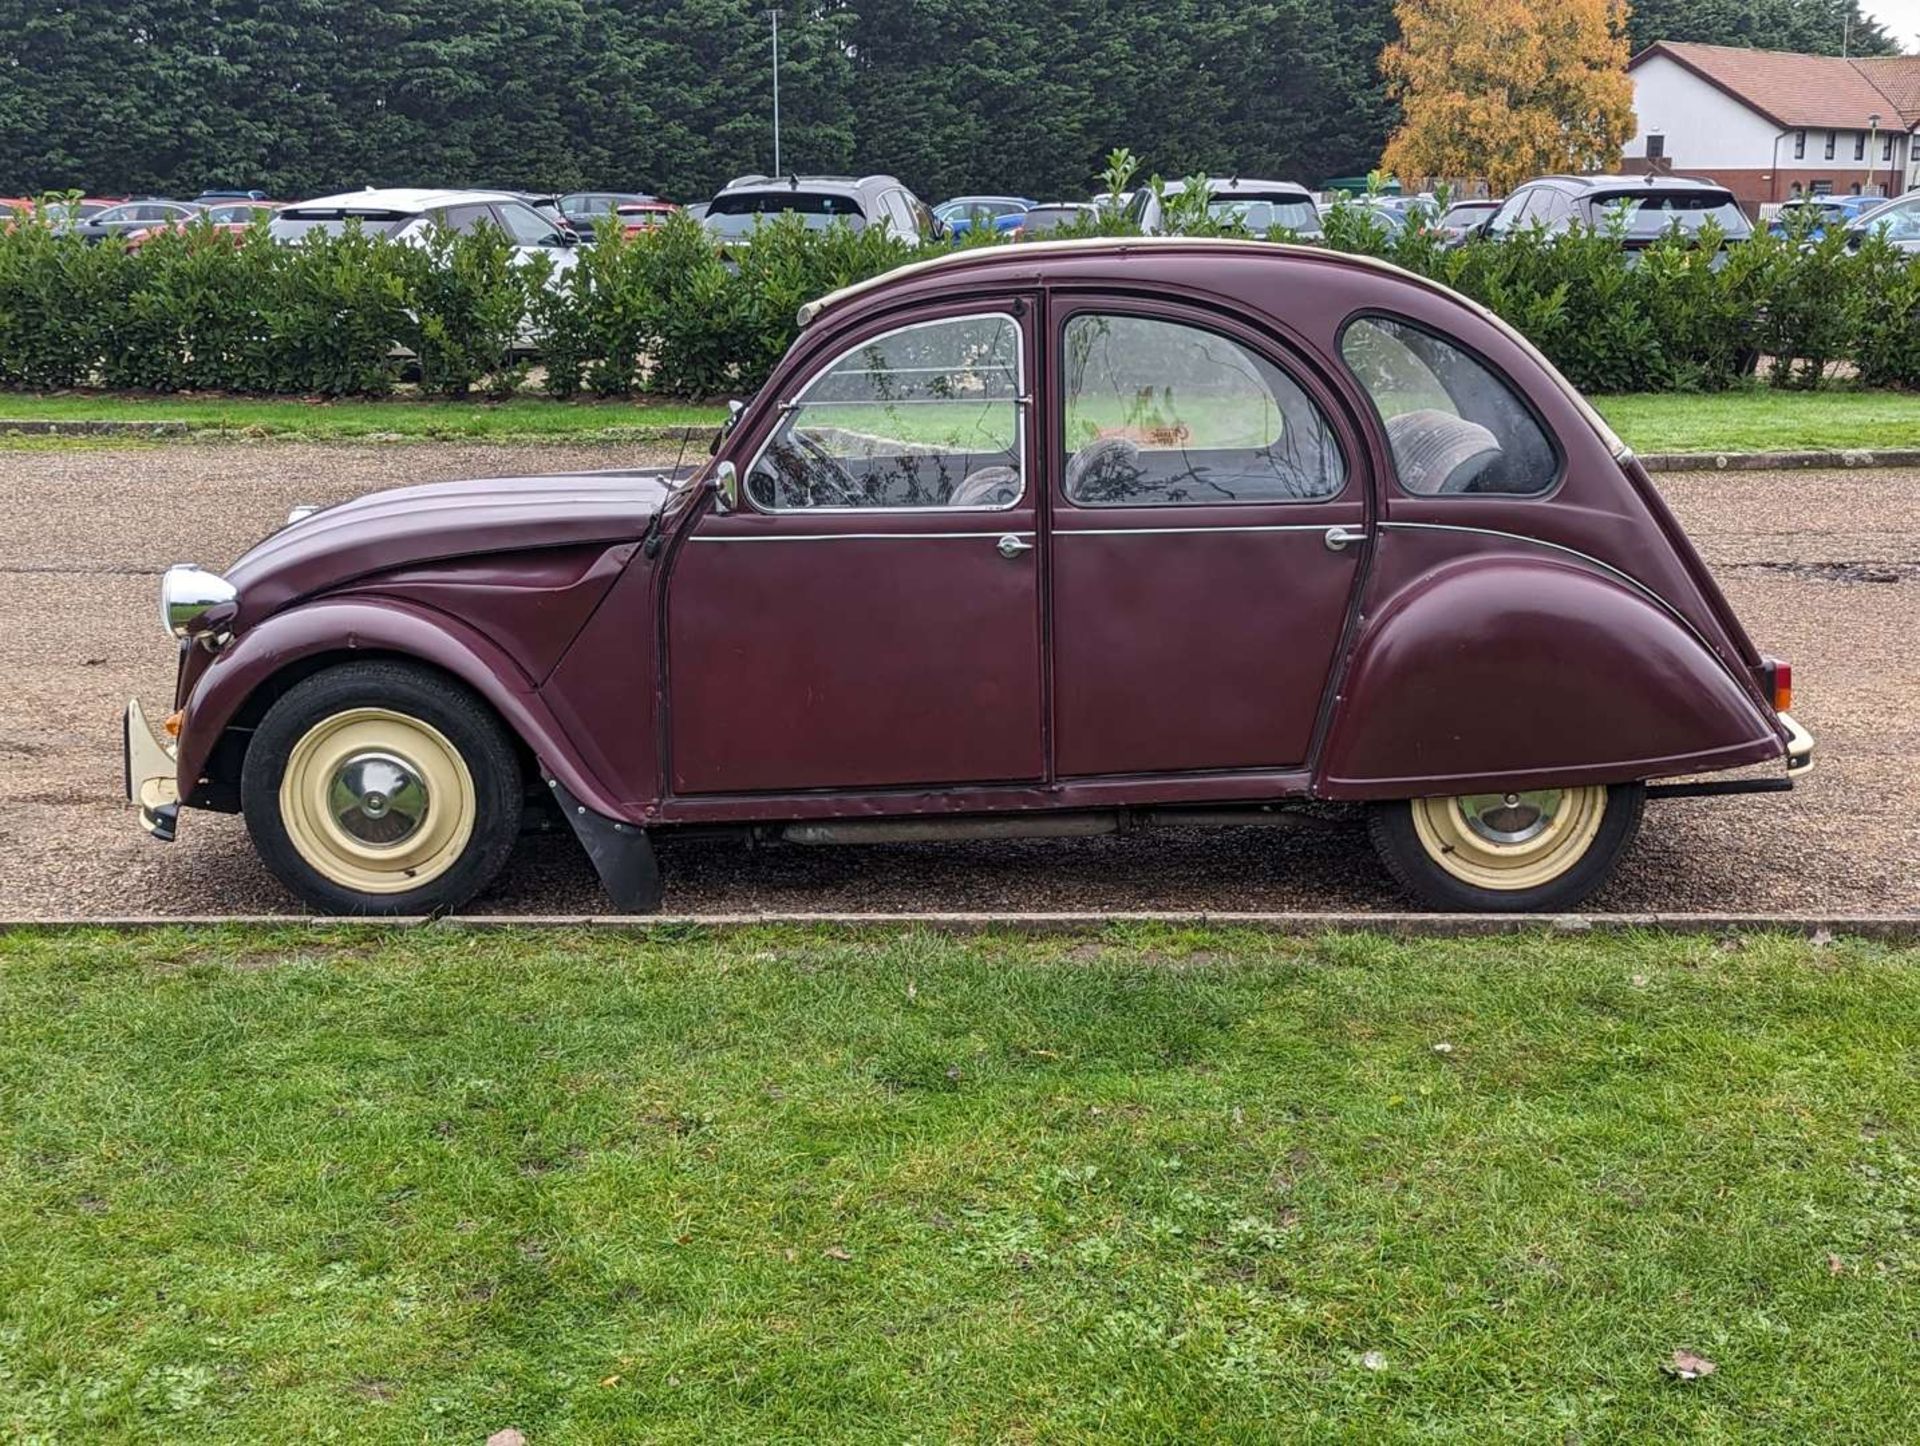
{"x": 1901, "y": 19}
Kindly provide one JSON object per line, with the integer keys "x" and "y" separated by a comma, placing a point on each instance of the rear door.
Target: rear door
{"x": 1210, "y": 523}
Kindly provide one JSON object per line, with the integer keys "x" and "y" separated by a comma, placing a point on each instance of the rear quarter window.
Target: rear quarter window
{"x": 1454, "y": 425}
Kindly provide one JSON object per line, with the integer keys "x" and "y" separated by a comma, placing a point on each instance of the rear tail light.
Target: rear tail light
{"x": 1777, "y": 678}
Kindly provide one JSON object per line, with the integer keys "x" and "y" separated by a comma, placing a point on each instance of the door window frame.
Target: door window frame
{"x": 1290, "y": 360}
{"x": 1011, "y": 311}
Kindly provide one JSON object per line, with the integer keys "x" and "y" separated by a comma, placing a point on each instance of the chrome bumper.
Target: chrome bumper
{"x": 149, "y": 770}
{"x": 1799, "y": 747}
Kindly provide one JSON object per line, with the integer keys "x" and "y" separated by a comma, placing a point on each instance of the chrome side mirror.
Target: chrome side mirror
{"x": 726, "y": 487}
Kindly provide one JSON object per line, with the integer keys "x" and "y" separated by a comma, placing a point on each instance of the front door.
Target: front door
{"x": 1207, "y": 534}
{"x": 869, "y": 616}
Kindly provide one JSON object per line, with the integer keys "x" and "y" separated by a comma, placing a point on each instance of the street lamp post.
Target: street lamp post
{"x": 774, "y": 16}
{"x": 1873, "y": 142}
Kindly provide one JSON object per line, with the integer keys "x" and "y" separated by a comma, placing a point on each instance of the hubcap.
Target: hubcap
{"x": 377, "y": 801}
{"x": 379, "y": 798}
{"x": 1510, "y": 818}
{"x": 1510, "y": 842}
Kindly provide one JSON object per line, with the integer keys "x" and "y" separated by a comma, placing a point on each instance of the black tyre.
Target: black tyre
{"x": 382, "y": 788}
{"x": 1508, "y": 853}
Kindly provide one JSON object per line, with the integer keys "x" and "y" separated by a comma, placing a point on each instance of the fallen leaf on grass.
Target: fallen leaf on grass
{"x": 1835, "y": 1265}
{"x": 1686, "y": 1366}
{"x": 837, "y": 1252}
{"x": 508, "y": 1437}
{"x": 1443, "y": 1047}
{"x": 1374, "y": 1360}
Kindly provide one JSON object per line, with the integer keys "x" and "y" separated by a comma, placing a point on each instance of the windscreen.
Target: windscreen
{"x": 332, "y": 220}
{"x": 1260, "y": 214}
{"x": 1048, "y": 218}
{"x": 1654, "y": 212}
{"x": 817, "y": 210}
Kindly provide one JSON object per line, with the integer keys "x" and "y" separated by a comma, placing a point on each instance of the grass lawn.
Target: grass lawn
{"x": 1754, "y": 420}
{"x": 787, "y": 1186}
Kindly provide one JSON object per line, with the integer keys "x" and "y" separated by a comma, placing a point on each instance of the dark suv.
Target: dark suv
{"x": 819, "y": 201}
{"x": 1655, "y": 204}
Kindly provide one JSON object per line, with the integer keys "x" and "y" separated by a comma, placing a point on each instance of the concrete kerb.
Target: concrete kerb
{"x": 1887, "y": 928}
{"x": 1852, "y": 459}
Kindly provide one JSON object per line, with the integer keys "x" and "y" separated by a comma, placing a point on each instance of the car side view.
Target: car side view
{"x": 1053, "y": 539}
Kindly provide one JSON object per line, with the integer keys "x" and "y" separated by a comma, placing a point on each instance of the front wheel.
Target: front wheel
{"x": 382, "y": 788}
{"x": 1540, "y": 850}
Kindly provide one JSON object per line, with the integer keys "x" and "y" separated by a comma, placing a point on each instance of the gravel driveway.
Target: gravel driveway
{"x": 1824, "y": 568}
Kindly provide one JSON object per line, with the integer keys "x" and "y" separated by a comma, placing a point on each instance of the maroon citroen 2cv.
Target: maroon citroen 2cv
{"x": 1049, "y": 539}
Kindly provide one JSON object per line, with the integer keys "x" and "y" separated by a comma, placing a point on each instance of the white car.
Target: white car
{"x": 1258, "y": 205}
{"x": 405, "y": 214}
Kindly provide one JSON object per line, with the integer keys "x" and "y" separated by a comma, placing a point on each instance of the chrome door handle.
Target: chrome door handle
{"x": 1338, "y": 539}
{"x": 1011, "y": 546}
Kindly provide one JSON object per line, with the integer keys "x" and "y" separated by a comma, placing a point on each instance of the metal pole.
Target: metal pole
{"x": 774, "y": 15}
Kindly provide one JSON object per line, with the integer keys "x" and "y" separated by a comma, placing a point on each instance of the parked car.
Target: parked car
{"x": 226, "y": 218}
{"x": 916, "y": 594}
{"x": 1464, "y": 218}
{"x": 1654, "y": 205}
{"x": 819, "y": 202}
{"x": 132, "y": 216}
{"x": 963, "y": 213}
{"x": 1049, "y": 216}
{"x": 583, "y": 208}
{"x": 406, "y": 215}
{"x": 645, "y": 215}
{"x": 1814, "y": 216}
{"x": 1260, "y": 206}
{"x": 1897, "y": 221}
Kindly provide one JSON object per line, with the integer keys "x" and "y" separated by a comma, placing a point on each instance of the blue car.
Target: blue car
{"x": 1002, "y": 213}
{"x": 1820, "y": 212}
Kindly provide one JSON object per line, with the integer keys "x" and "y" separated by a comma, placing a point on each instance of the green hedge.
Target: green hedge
{"x": 664, "y": 313}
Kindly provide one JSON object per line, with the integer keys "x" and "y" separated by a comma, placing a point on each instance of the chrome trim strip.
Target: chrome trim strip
{"x": 1059, "y": 531}
{"x": 1020, "y": 404}
{"x": 997, "y": 534}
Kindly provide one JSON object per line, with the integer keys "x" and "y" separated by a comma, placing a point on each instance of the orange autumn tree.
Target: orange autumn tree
{"x": 1508, "y": 89}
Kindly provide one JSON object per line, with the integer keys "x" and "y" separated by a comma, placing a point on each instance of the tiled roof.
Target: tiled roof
{"x": 1815, "y": 91}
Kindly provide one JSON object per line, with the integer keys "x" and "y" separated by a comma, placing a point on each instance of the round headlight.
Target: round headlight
{"x": 191, "y": 599}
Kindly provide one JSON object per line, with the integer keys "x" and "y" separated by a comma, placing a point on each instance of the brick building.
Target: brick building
{"x": 1770, "y": 125}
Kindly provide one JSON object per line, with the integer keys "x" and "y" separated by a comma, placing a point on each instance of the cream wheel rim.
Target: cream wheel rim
{"x": 1510, "y": 841}
{"x": 376, "y": 801}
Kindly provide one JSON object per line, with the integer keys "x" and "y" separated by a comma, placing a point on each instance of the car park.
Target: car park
{"x": 819, "y": 202}
{"x": 131, "y": 216}
{"x": 1652, "y": 206}
{"x": 1897, "y": 222}
{"x": 999, "y": 213}
{"x": 1260, "y": 206}
{"x": 1052, "y": 540}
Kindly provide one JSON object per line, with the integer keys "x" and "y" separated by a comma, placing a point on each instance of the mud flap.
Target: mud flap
{"x": 622, "y": 854}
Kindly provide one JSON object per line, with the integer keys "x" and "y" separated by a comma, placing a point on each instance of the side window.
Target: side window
{"x": 465, "y": 218}
{"x": 1160, "y": 414}
{"x": 1453, "y": 424}
{"x": 526, "y": 226}
{"x": 901, "y": 214}
{"x": 926, "y": 416}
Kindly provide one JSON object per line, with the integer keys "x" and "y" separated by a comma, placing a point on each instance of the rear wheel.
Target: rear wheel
{"x": 1542, "y": 849}
{"x": 382, "y": 788}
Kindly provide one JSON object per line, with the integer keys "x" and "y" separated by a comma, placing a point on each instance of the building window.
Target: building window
{"x": 1799, "y": 145}
{"x": 1833, "y": 140}
{"x": 1656, "y": 147}
{"x": 1795, "y": 193}
{"x": 1821, "y": 188}
{"x": 1860, "y": 145}
{"x": 1854, "y": 189}
{"x": 1886, "y": 147}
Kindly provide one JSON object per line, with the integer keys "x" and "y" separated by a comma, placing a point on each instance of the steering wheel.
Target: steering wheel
{"x": 838, "y": 481}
